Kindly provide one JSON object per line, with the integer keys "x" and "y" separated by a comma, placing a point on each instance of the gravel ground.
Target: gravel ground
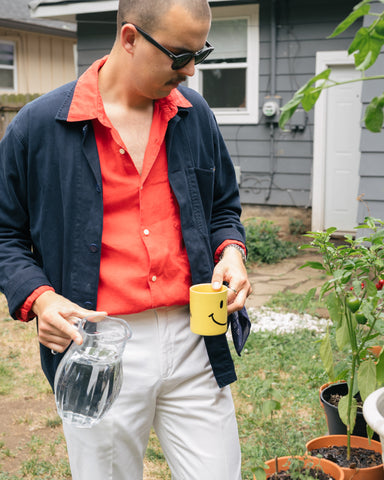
{"x": 265, "y": 319}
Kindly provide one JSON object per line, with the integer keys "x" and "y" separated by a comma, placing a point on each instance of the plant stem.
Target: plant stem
{"x": 350, "y": 396}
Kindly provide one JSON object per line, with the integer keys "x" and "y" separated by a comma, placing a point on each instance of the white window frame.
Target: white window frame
{"x": 248, "y": 115}
{"x": 10, "y": 67}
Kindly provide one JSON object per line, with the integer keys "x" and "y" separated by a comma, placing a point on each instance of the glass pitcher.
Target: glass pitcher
{"x": 89, "y": 376}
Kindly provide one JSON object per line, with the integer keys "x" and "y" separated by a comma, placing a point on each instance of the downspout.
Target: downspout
{"x": 272, "y": 160}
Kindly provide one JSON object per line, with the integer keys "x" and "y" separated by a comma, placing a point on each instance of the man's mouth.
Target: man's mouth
{"x": 176, "y": 81}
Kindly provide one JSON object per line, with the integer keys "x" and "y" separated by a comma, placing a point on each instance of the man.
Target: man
{"x": 117, "y": 194}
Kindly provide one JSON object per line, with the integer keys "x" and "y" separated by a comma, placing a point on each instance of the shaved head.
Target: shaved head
{"x": 148, "y": 13}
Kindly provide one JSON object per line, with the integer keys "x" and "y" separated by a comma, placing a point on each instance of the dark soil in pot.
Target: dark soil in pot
{"x": 330, "y": 398}
{"x": 360, "y": 457}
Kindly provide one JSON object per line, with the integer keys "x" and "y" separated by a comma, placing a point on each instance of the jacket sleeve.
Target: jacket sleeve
{"x": 226, "y": 210}
{"x": 20, "y": 273}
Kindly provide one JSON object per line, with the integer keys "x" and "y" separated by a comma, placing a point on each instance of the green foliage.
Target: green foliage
{"x": 366, "y": 47}
{"x": 264, "y": 244}
{"x": 297, "y": 226}
{"x": 357, "y": 265}
{"x": 285, "y": 368}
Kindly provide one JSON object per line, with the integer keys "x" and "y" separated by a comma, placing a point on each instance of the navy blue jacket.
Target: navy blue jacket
{"x": 51, "y": 207}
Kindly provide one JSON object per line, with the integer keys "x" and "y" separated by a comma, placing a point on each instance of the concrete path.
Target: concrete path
{"x": 286, "y": 275}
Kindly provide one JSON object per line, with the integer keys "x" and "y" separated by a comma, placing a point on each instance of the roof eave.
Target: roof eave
{"x": 36, "y": 28}
{"x": 68, "y": 12}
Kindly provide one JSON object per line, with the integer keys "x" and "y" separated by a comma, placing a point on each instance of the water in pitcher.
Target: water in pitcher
{"x": 87, "y": 386}
{"x": 89, "y": 376}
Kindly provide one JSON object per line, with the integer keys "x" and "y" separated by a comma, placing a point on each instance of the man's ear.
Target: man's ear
{"x": 128, "y": 37}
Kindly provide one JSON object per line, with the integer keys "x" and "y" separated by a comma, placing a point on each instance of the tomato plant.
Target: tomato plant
{"x": 354, "y": 297}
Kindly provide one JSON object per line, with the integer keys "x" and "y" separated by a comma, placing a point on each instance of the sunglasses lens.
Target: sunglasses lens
{"x": 202, "y": 56}
{"x": 182, "y": 60}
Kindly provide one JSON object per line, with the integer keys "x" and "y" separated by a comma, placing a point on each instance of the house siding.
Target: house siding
{"x": 43, "y": 62}
{"x": 275, "y": 166}
{"x": 277, "y": 170}
{"x": 371, "y": 191}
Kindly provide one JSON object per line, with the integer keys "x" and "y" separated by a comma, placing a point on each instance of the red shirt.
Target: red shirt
{"x": 144, "y": 263}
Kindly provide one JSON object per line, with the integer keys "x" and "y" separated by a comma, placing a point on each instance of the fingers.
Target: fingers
{"x": 236, "y": 300}
{"x": 58, "y": 319}
{"x": 231, "y": 271}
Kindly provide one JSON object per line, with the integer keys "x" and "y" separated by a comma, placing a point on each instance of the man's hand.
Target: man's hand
{"x": 231, "y": 269}
{"x": 56, "y": 318}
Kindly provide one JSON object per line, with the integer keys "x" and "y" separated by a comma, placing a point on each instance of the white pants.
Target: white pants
{"x": 168, "y": 384}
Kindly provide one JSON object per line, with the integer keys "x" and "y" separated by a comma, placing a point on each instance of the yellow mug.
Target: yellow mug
{"x": 208, "y": 309}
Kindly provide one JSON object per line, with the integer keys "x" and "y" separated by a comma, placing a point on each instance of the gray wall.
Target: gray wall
{"x": 372, "y": 148}
{"x": 275, "y": 169}
{"x": 279, "y": 172}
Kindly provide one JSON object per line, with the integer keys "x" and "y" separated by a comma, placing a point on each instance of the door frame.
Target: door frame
{"x": 323, "y": 60}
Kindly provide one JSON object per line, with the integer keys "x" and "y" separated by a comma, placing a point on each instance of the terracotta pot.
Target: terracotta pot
{"x": 334, "y": 423}
{"x": 371, "y": 473}
{"x": 328, "y": 467}
{"x": 375, "y": 350}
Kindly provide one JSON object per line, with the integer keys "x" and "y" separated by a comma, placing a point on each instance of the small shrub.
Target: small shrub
{"x": 264, "y": 244}
{"x": 297, "y": 226}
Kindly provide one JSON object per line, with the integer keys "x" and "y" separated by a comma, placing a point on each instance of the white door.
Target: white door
{"x": 338, "y": 151}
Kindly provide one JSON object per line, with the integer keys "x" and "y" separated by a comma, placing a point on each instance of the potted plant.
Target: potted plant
{"x": 354, "y": 296}
{"x": 305, "y": 467}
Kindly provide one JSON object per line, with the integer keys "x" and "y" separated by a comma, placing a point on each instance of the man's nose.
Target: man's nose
{"x": 188, "y": 69}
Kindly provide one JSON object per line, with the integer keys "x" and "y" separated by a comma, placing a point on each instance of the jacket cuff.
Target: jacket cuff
{"x": 25, "y": 313}
{"x": 221, "y": 247}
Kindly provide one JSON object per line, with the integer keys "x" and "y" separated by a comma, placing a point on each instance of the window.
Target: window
{"x": 228, "y": 79}
{"x": 7, "y": 66}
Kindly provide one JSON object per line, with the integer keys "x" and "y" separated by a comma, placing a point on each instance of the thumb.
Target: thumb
{"x": 217, "y": 278}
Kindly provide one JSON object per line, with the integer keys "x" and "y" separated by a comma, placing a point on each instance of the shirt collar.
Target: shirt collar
{"x": 87, "y": 103}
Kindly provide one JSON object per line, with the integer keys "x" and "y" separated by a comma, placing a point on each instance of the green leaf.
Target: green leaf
{"x": 363, "y": 9}
{"x": 334, "y": 308}
{"x": 380, "y": 370}
{"x": 342, "y": 336}
{"x": 367, "y": 46}
{"x": 308, "y": 297}
{"x": 315, "y": 265}
{"x": 311, "y": 96}
{"x": 366, "y": 378}
{"x": 343, "y": 412}
{"x": 289, "y": 109}
{"x": 374, "y": 115}
{"x": 306, "y": 93}
{"x": 259, "y": 473}
{"x": 326, "y": 356}
{"x": 270, "y": 406}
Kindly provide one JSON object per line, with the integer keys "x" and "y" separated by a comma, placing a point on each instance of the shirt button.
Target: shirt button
{"x": 122, "y": 151}
{"x": 146, "y": 232}
{"x": 154, "y": 278}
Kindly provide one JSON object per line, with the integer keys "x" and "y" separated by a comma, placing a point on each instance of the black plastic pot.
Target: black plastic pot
{"x": 335, "y": 425}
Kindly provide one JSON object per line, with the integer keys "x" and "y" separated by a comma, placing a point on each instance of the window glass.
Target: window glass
{"x": 225, "y": 88}
{"x": 229, "y": 38}
{"x": 6, "y": 54}
{"x": 229, "y": 78}
{"x": 7, "y": 66}
{"x": 6, "y": 79}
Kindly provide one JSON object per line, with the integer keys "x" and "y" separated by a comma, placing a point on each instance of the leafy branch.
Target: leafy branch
{"x": 366, "y": 47}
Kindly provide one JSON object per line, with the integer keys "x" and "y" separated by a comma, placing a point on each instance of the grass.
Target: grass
{"x": 276, "y": 398}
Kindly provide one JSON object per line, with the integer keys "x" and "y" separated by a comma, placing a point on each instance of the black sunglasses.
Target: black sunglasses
{"x": 181, "y": 60}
